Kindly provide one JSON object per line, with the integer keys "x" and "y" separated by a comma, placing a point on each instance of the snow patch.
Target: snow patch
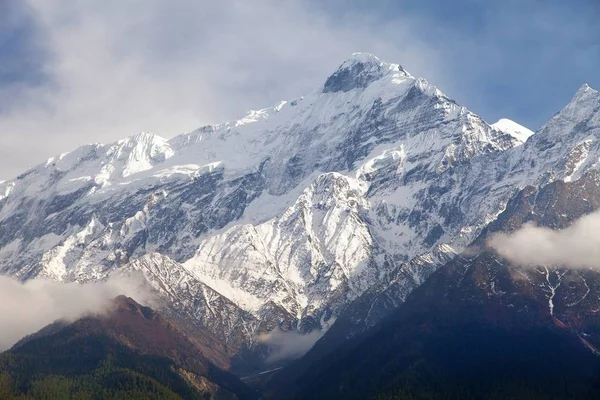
{"x": 514, "y": 129}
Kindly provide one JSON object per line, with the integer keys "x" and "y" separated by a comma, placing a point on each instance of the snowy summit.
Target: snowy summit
{"x": 517, "y": 131}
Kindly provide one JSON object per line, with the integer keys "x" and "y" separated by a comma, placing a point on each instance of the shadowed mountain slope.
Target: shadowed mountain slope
{"x": 130, "y": 352}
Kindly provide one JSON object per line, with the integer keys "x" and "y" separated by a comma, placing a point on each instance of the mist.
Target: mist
{"x": 27, "y": 307}
{"x": 290, "y": 345}
{"x": 577, "y": 246}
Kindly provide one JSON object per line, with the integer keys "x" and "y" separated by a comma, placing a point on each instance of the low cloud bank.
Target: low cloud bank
{"x": 27, "y": 307}
{"x": 289, "y": 345}
{"x": 577, "y": 246}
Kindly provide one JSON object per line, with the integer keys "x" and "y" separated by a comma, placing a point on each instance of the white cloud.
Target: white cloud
{"x": 27, "y": 307}
{"x": 290, "y": 345}
{"x": 117, "y": 67}
{"x": 577, "y": 246}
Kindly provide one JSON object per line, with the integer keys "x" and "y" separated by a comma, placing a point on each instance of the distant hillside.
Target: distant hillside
{"x": 130, "y": 353}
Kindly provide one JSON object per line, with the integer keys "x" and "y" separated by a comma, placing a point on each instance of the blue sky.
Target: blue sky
{"x": 521, "y": 59}
{"x": 76, "y": 71}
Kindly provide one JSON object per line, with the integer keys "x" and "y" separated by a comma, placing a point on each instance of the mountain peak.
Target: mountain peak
{"x": 362, "y": 58}
{"x": 582, "y": 108}
{"x": 584, "y": 93}
{"x": 514, "y": 129}
{"x": 145, "y": 137}
{"x": 358, "y": 72}
{"x": 584, "y": 88}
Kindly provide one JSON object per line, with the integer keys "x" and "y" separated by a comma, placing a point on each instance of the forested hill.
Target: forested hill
{"x": 132, "y": 353}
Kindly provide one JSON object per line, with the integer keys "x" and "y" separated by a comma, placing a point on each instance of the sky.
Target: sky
{"x": 75, "y": 71}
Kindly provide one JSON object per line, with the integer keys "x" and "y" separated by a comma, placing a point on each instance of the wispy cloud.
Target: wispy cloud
{"x": 577, "y": 246}
{"x": 290, "y": 345}
{"x": 27, "y": 307}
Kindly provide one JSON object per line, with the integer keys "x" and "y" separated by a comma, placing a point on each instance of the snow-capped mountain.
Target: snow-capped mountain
{"x": 517, "y": 131}
{"x": 564, "y": 149}
{"x": 485, "y": 302}
{"x": 360, "y": 189}
{"x": 490, "y": 316}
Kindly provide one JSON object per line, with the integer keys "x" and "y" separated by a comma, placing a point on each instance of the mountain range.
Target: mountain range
{"x": 346, "y": 208}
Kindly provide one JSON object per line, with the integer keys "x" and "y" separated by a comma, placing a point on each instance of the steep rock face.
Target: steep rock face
{"x": 566, "y": 295}
{"x": 316, "y": 252}
{"x": 186, "y": 299}
{"x": 479, "y": 327}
